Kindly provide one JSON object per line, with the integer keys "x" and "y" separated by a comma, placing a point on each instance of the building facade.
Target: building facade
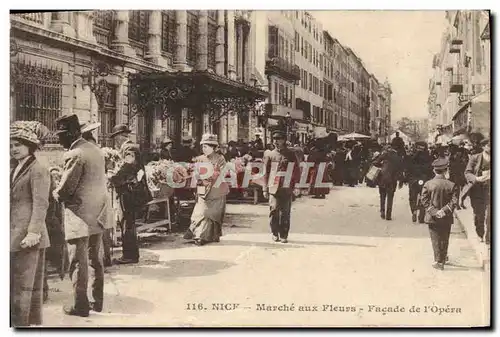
{"x": 374, "y": 109}
{"x": 459, "y": 91}
{"x": 161, "y": 72}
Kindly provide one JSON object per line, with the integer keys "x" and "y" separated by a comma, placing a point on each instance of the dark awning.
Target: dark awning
{"x": 197, "y": 89}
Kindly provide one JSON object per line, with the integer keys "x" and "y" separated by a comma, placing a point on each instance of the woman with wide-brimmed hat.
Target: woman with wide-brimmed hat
{"x": 208, "y": 213}
{"x": 30, "y": 188}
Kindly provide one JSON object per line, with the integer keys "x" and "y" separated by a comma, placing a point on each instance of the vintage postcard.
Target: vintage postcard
{"x": 250, "y": 168}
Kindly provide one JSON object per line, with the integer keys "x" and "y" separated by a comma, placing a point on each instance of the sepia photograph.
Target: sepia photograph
{"x": 250, "y": 168}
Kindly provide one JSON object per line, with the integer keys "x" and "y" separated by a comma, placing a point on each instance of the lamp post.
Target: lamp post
{"x": 288, "y": 120}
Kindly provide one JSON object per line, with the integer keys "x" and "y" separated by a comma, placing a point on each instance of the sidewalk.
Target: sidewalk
{"x": 465, "y": 219}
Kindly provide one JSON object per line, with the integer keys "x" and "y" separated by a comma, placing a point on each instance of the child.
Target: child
{"x": 439, "y": 200}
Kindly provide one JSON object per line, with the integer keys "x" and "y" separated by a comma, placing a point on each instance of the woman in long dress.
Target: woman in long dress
{"x": 30, "y": 188}
{"x": 208, "y": 213}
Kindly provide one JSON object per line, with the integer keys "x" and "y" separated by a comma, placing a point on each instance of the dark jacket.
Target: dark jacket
{"x": 439, "y": 194}
{"x": 392, "y": 168}
{"x": 281, "y": 159}
{"x": 418, "y": 167}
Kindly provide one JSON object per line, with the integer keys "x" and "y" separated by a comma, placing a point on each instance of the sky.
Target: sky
{"x": 397, "y": 45}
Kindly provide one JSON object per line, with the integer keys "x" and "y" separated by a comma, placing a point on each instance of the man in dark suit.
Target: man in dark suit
{"x": 132, "y": 191}
{"x": 280, "y": 189}
{"x": 418, "y": 170}
{"x": 391, "y": 165}
{"x": 82, "y": 189}
{"x": 477, "y": 174}
{"x": 439, "y": 200}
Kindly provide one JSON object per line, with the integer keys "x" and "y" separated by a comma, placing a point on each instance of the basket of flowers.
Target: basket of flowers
{"x": 112, "y": 159}
{"x": 161, "y": 174}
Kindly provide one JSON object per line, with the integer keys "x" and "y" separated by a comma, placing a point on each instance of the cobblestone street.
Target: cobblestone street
{"x": 341, "y": 259}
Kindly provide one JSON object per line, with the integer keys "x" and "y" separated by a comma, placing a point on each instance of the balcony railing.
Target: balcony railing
{"x": 455, "y": 45}
{"x": 33, "y": 17}
{"x": 464, "y": 98}
{"x": 281, "y": 110}
{"x": 280, "y": 66}
{"x": 103, "y": 36}
{"x": 456, "y": 83}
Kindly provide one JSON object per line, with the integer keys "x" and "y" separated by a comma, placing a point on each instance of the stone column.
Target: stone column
{"x": 231, "y": 45}
{"x": 202, "y": 57}
{"x": 180, "y": 59}
{"x": 154, "y": 41}
{"x": 84, "y": 25}
{"x": 252, "y": 38}
{"x": 219, "y": 51}
{"x": 239, "y": 54}
{"x": 60, "y": 24}
{"x": 120, "y": 40}
{"x": 246, "y": 54}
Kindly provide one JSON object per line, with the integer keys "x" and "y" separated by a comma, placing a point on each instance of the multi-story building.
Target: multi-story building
{"x": 281, "y": 72}
{"x": 341, "y": 87}
{"x": 309, "y": 58}
{"x": 384, "y": 100}
{"x": 374, "y": 109}
{"x": 162, "y": 72}
{"x": 459, "y": 91}
{"x": 329, "y": 106}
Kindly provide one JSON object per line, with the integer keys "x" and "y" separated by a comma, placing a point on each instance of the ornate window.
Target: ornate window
{"x": 212, "y": 38}
{"x": 273, "y": 42}
{"x": 168, "y": 31}
{"x": 138, "y": 27}
{"x": 38, "y": 91}
{"x": 192, "y": 36}
{"x": 103, "y": 27}
{"x": 108, "y": 117}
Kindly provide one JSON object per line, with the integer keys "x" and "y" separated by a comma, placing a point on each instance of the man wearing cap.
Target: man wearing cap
{"x": 280, "y": 189}
{"x": 478, "y": 176}
{"x": 439, "y": 200}
{"x": 82, "y": 189}
{"x": 418, "y": 170}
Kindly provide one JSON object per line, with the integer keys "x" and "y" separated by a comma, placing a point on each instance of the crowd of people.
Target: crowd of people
{"x": 66, "y": 218}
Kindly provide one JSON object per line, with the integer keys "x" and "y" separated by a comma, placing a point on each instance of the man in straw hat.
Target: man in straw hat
{"x": 87, "y": 131}
{"x": 82, "y": 189}
{"x": 280, "y": 190}
{"x": 439, "y": 200}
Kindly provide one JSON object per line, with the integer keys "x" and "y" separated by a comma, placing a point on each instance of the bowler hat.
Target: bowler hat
{"x": 440, "y": 163}
{"x": 209, "y": 139}
{"x": 421, "y": 144}
{"x": 67, "y": 123}
{"x": 118, "y": 129}
{"x": 88, "y": 127}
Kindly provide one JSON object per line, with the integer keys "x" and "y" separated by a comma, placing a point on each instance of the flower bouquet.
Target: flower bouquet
{"x": 160, "y": 174}
{"x": 112, "y": 159}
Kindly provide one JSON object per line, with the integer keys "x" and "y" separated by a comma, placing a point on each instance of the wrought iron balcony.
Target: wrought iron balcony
{"x": 456, "y": 83}
{"x": 281, "y": 67}
{"x": 464, "y": 98}
{"x": 455, "y": 45}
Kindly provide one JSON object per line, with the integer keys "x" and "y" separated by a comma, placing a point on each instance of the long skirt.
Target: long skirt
{"x": 26, "y": 287}
{"x": 207, "y": 218}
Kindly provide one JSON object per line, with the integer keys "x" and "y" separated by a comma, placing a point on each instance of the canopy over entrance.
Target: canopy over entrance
{"x": 201, "y": 91}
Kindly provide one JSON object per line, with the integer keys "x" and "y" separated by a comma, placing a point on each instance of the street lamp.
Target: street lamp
{"x": 288, "y": 120}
